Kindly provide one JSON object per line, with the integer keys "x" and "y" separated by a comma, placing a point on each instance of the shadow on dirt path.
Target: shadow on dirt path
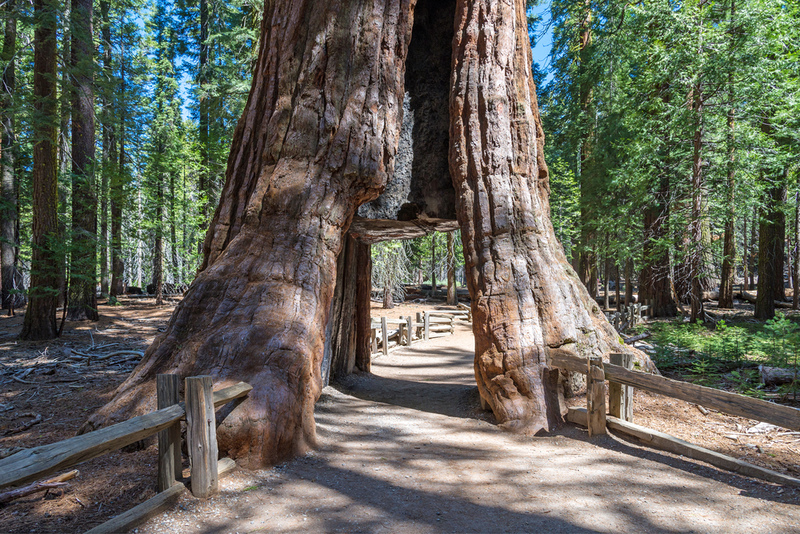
{"x": 408, "y": 449}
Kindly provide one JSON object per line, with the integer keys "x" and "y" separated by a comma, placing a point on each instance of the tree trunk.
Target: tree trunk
{"x": 654, "y": 280}
{"x": 204, "y": 121}
{"x": 9, "y": 210}
{"x": 796, "y": 252}
{"x": 452, "y": 296}
{"x": 40, "y": 316}
{"x": 588, "y": 255}
{"x": 729, "y": 243}
{"x": 629, "y": 282}
{"x": 770, "y": 253}
{"x": 696, "y": 247}
{"x": 348, "y": 333}
{"x": 750, "y": 257}
{"x": 117, "y": 194}
{"x": 745, "y": 256}
{"x": 83, "y": 257}
{"x": 433, "y": 265}
{"x": 317, "y": 139}
{"x": 158, "y": 245}
{"x": 109, "y": 156}
{"x": 388, "y": 300}
{"x": 526, "y": 299}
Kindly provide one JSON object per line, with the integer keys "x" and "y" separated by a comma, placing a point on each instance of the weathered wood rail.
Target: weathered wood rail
{"x": 34, "y": 463}
{"x": 389, "y": 333}
{"x": 622, "y": 379}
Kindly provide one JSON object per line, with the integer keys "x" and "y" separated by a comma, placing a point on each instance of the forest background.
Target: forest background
{"x": 673, "y": 135}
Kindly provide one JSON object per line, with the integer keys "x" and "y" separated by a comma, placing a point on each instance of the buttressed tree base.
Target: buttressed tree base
{"x": 318, "y": 138}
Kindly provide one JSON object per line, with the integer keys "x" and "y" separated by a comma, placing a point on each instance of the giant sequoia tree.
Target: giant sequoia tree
{"x": 318, "y": 138}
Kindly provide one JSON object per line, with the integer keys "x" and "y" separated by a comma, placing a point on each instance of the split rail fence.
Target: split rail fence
{"x": 201, "y": 439}
{"x": 622, "y": 379}
{"x": 389, "y": 333}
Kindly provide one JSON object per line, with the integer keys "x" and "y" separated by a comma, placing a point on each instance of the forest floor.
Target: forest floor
{"x": 407, "y": 449}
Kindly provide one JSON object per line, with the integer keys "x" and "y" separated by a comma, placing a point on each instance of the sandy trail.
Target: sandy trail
{"x": 410, "y": 450}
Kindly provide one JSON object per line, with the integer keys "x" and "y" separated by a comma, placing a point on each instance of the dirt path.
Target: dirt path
{"x": 409, "y": 450}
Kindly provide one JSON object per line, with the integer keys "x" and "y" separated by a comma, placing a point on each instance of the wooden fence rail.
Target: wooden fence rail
{"x": 36, "y": 462}
{"x": 620, "y": 397}
{"x": 407, "y": 328}
{"x": 724, "y": 401}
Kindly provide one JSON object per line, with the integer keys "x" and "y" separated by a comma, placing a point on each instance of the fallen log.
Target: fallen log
{"x": 751, "y": 298}
{"x": 55, "y": 482}
{"x": 775, "y": 376}
{"x": 636, "y": 338}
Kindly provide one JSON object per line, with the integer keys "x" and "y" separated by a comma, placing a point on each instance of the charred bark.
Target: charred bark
{"x": 526, "y": 299}
{"x": 317, "y": 139}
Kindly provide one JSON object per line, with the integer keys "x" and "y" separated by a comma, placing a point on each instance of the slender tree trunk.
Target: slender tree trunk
{"x": 527, "y": 302}
{"x": 317, "y": 138}
{"x": 751, "y": 256}
{"x": 729, "y": 243}
{"x": 628, "y": 281}
{"x": 388, "y": 301}
{"x": 452, "y": 296}
{"x": 117, "y": 194}
{"x": 433, "y": 265}
{"x": 618, "y": 300}
{"x": 109, "y": 156}
{"x": 65, "y": 161}
{"x": 770, "y": 253}
{"x": 697, "y": 253}
{"x": 588, "y": 256}
{"x": 158, "y": 246}
{"x": 10, "y": 207}
{"x": 796, "y": 252}
{"x": 745, "y": 256}
{"x": 606, "y": 278}
{"x": 83, "y": 260}
{"x": 40, "y": 316}
{"x": 204, "y": 121}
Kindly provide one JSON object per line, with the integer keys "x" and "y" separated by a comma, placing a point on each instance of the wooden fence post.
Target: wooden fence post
{"x": 620, "y": 398}
{"x": 419, "y": 326}
{"x": 374, "y": 340}
{"x": 427, "y": 326}
{"x": 201, "y": 436}
{"x": 596, "y": 396}
{"x": 410, "y": 322}
{"x": 169, "y": 439}
{"x": 385, "y": 336}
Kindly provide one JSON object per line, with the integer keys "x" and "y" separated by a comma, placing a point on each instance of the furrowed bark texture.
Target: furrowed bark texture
{"x": 526, "y": 298}
{"x": 83, "y": 262}
{"x": 317, "y": 138}
{"x": 40, "y": 315}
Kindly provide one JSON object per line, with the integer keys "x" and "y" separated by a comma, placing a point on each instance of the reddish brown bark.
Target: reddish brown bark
{"x": 40, "y": 315}
{"x": 526, "y": 299}
{"x": 317, "y": 138}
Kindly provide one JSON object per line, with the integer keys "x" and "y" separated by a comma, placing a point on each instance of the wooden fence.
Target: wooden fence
{"x": 198, "y": 411}
{"x": 389, "y": 333}
{"x": 622, "y": 379}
